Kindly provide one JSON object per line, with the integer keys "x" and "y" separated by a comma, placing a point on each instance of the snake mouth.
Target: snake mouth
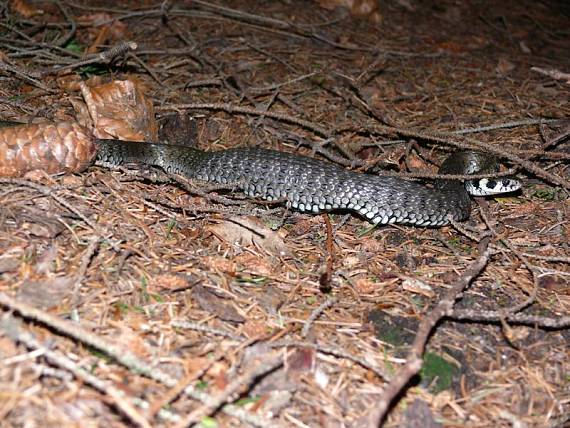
{"x": 492, "y": 186}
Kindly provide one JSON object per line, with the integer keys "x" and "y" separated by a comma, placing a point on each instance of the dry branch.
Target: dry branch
{"x": 414, "y": 360}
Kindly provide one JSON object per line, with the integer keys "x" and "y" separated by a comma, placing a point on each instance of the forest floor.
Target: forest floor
{"x": 135, "y": 302}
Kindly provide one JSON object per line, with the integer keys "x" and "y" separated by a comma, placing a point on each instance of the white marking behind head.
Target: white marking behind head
{"x": 492, "y": 186}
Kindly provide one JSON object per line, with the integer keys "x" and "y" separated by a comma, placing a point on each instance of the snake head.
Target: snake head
{"x": 467, "y": 162}
{"x": 492, "y": 186}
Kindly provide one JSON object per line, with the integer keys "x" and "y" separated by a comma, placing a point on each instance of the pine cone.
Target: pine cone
{"x": 50, "y": 147}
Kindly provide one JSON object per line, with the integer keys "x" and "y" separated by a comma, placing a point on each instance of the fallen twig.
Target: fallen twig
{"x": 326, "y": 277}
{"x": 119, "y": 400}
{"x": 315, "y": 314}
{"x": 122, "y": 356}
{"x": 414, "y": 360}
{"x": 497, "y": 316}
{"x": 233, "y": 390}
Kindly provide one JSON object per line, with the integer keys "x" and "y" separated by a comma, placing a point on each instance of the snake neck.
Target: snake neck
{"x": 171, "y": 158}
{"x": 455, "y": 190}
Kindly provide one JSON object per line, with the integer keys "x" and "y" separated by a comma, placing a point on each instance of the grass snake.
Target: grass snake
{"x": 312, "y": 185}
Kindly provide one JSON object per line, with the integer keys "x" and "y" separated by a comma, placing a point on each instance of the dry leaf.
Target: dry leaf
{"x": 46, "y": 259}
{"x": 254, "y": 264}
{"x": 418, "y": 287}
{"x": 25, "y": 9}
{"x": 504, "y": 66}
{"x": 358, "y": 8}
{"x": 48, "y": 293}
{"x": 172, "y": 282}
{"x": 118, "y": 110}
{"x": 9, "y": 264}
{"x": 254, "y": 328}
{"x": 102, "y": 28}
{"x": 215, "y": 305}
{"x": 250, "y": 231}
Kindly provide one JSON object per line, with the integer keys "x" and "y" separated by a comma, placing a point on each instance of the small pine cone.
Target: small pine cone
{"x": 53, "y": 147}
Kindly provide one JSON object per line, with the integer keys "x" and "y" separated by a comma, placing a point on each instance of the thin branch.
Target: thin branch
{"x": 414, "y": 360}
{"x": 232, "y": 391}
{"x": 498, "y": 316}
{"x": 315, "y": 314}
{"x": 230, "y": 108}
{"x": 122, "y": 356}
{"x": 119, "y": 400}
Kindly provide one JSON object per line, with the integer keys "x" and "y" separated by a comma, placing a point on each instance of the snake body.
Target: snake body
{"x": 312, "y": 185}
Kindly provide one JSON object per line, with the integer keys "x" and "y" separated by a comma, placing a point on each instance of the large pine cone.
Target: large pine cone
{"x": 51, "y": 147}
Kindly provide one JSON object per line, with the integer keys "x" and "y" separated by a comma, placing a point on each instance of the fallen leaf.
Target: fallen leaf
{"x": 365, "y": 286}
{"x": 9, "y": 264}
{"x": 171, "y": 282}
{"x": 254, "y": 264}
{"x": 215, "y": 305}
{"x": 419, "y": 415}
{"x": 254, "y": 328}
{"x": 504, "y": 66}
{"x": 25, "y": 9}
{"x": 248, "y": 231}
{"x": 118, "y": 109}
{"x": 418, "y": 287}
{"x": 45, "y": 260}
{"x": 47, "y": 293}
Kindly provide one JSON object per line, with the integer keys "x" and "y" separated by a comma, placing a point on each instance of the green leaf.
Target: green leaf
{"x": 247, "y": 400}
{"x": 208, "y": 422}
{"x": 74, "y": 46}
{"x": 201, "y": 385}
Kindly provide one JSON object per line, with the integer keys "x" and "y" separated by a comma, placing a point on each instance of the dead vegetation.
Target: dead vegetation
{"x": 132, "y": 299}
